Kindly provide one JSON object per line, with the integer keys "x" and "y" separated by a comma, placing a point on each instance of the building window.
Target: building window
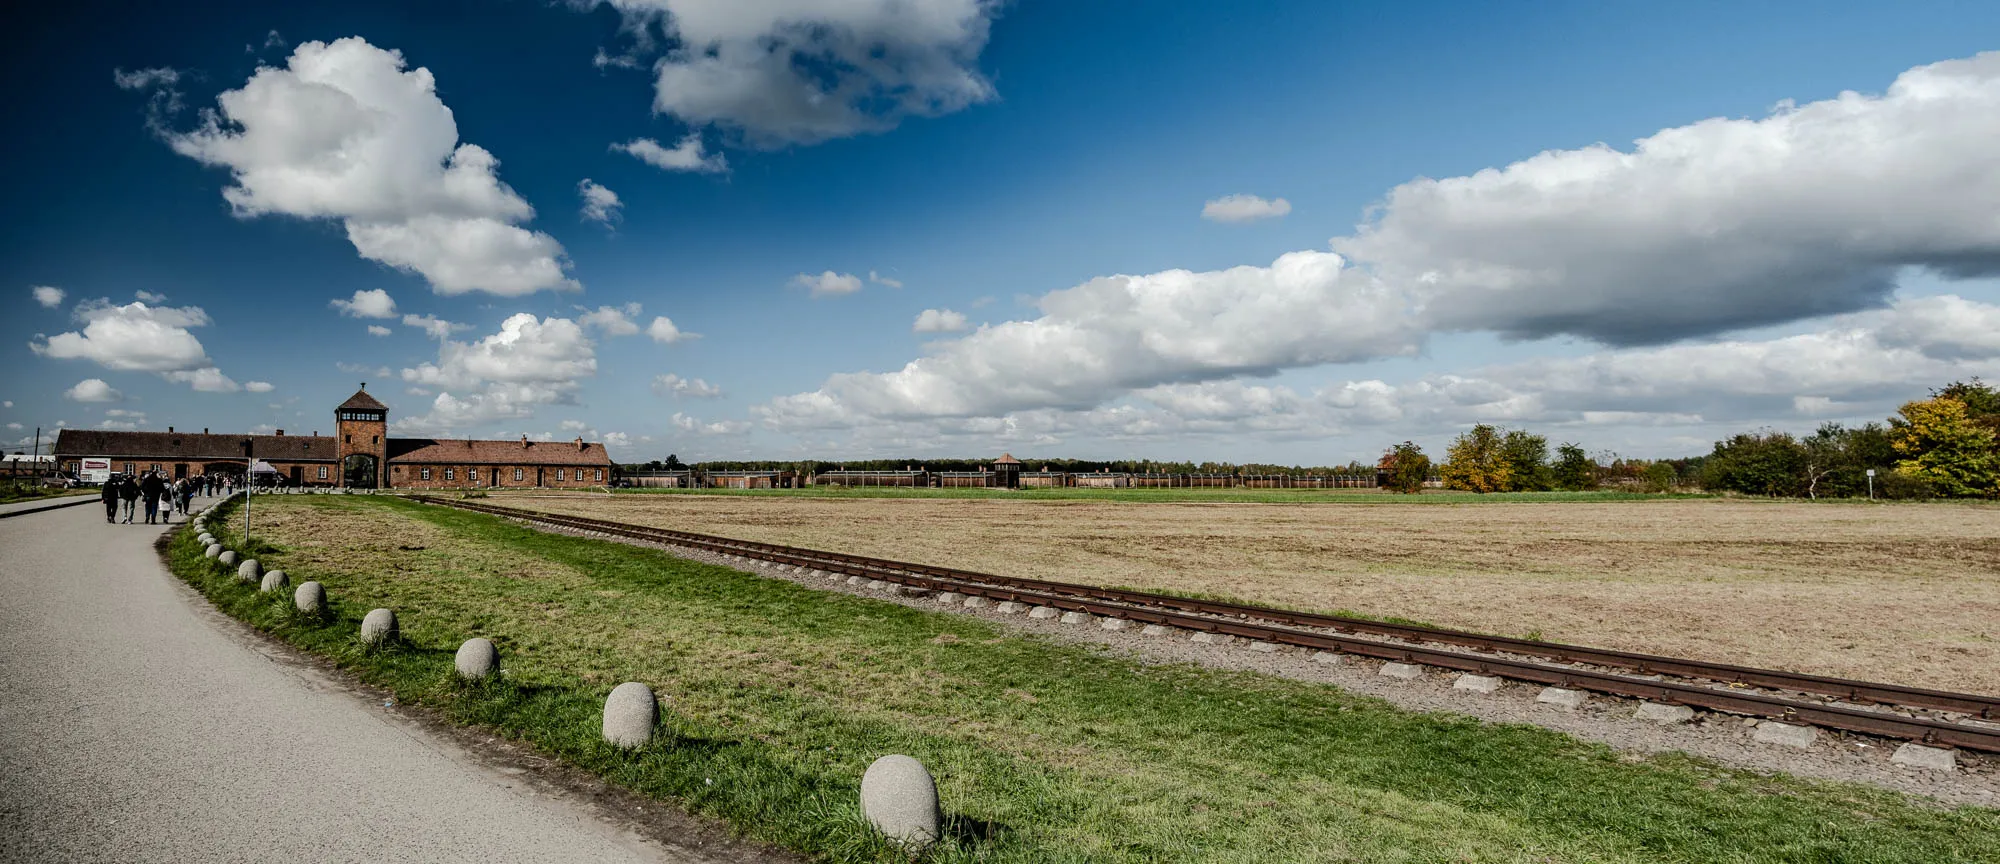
{"x": 560, "y": 476}
{"x": 322, "y": 472}
{"x": 600, "y": 475}
{"x": 131, "y": 468}
{"x": 447, "y": 473}
{"x": 517, "y": 475}
{"x": 350, "y": 438}
{"x": 374, "y": 439}
{"x": 472, "y": 474}
{"x": 156, "y": 466}
{"x": 425, "y": 473}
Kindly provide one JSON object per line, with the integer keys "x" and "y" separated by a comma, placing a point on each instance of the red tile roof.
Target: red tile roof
{"x": 193, "y": 446}
{"x": 408, "y": 451}
{"x": 361, "y": 401}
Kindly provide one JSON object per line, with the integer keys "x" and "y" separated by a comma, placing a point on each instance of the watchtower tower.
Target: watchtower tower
{"x": 361, "y": 424}
{"x": 1009, "y": 469}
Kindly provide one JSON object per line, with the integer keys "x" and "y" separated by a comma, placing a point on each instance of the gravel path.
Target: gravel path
{"x": 1721, "y": 737}
{"x": 137, "y": 725}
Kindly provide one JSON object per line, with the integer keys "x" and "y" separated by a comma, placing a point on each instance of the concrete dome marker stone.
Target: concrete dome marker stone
{"x": 250, "y": 570}
{"x": 476, "y": 659}
{"x": 630, "y": 713}
{"x": 379, "y": 627}
{"x": 228, "y": 558}
{"x": 900, "y": 799}
{"x": 274, "y": 580}
{"x": 310, "y": 598}
{"x": 214, "y": 550}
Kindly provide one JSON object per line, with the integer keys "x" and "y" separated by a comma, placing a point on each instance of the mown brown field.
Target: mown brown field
{"x": 1906, "y": 593}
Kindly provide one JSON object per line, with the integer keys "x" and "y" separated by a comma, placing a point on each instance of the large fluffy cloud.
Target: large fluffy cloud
{"x": 1697, "y": 231}
{"x": 803, "y": 71}
{"x": 371, "y": 303}
{"x": 92, "y": 390}
{"x": 1666, "y": 400}
{"x": 529, "y": 362}
{"x": 1721, "y": 224}
{"x": 136, "y": 337}
{"x": 344, "y": 131}
{"x": 1101, "y": 339}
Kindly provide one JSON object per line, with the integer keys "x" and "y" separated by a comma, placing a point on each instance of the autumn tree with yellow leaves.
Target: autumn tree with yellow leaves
{"x": 1943, "y": 442}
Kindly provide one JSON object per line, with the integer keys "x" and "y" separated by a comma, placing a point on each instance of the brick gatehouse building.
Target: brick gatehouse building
{"x": 360, "y": 455}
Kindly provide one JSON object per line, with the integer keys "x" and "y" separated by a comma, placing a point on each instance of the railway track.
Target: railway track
{"x": 1933, "y": 717}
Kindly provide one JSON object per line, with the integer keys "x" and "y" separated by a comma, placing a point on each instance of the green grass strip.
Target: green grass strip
{"x": 1044, "y": 751}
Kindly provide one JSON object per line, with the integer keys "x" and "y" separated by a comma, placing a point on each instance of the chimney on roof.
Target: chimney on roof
{"x": 579, "y": 442}
{"x": 204, "y": 430}
{"x": 524, "y": 440}
{"x": 170, "y": 428}
{"x": 281, "y": 433}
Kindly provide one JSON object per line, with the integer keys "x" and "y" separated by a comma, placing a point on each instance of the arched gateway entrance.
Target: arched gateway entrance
{"x": 360, "y": 471}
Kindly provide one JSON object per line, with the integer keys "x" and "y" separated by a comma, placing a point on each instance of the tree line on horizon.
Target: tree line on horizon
{"x": 1946, "y": 446}
{"x": 1068, "y": 466}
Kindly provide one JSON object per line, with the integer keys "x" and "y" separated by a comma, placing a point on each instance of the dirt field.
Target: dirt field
{"x": 1901, "y": 593}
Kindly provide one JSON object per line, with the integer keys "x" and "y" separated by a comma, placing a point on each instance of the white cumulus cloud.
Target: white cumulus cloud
{"x": 1115, "y": 334}
{"x": 612, "y": 320}
{"x": 600, "y": 205}
{"x": 1713, "y": 226}
{"x": 827, "y": 284}
{"x": 49, "y": 296}
{"x": 92, "y": 390}
{"x": 685, "y": 156}
{"x": 529, "y": 363}
{"x": 663, "y": 331}
{"x": 1695, "y": 232}
{"x": 684, "y": 388}
{"x": 938, "y": 321}
{"x": 378, "y": 330}
{"x": 372, "y": 303}
{"x": 880, "y": 279}
{"x": 1244, "y": 208}
{"x": 433, "y": 326}
{"x": 259, "y": 386}
{"x": 800, "y": 71}
{"x": 136, "y": 337}
{"x": 344, "y": 131}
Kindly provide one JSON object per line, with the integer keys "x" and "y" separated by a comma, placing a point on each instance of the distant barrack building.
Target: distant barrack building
{"x": 359, "y": 455}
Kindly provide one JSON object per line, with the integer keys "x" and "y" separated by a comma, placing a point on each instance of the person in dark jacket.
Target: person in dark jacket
{"x": 109, "y": 494}
{"x": 152, "y": 488}
{"x": 128, "y": 492}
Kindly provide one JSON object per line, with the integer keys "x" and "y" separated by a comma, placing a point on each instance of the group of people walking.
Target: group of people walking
{"x": 154, "y": 488}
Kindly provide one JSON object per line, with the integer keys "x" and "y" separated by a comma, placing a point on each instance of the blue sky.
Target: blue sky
{"x": 999, "y": 167}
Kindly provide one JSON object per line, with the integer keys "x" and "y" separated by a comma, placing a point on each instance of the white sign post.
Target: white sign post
{"x": 1871, "y": 484}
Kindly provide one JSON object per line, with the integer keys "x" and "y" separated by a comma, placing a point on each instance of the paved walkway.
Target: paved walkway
{"x": 135, "y": 727}
{"x": 39, "y": 504}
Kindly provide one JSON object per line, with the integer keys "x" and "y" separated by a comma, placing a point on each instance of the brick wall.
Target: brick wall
{"x": 460, "y": 476}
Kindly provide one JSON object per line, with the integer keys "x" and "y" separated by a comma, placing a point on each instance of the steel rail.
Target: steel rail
{"x": 1884, "y": 724}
